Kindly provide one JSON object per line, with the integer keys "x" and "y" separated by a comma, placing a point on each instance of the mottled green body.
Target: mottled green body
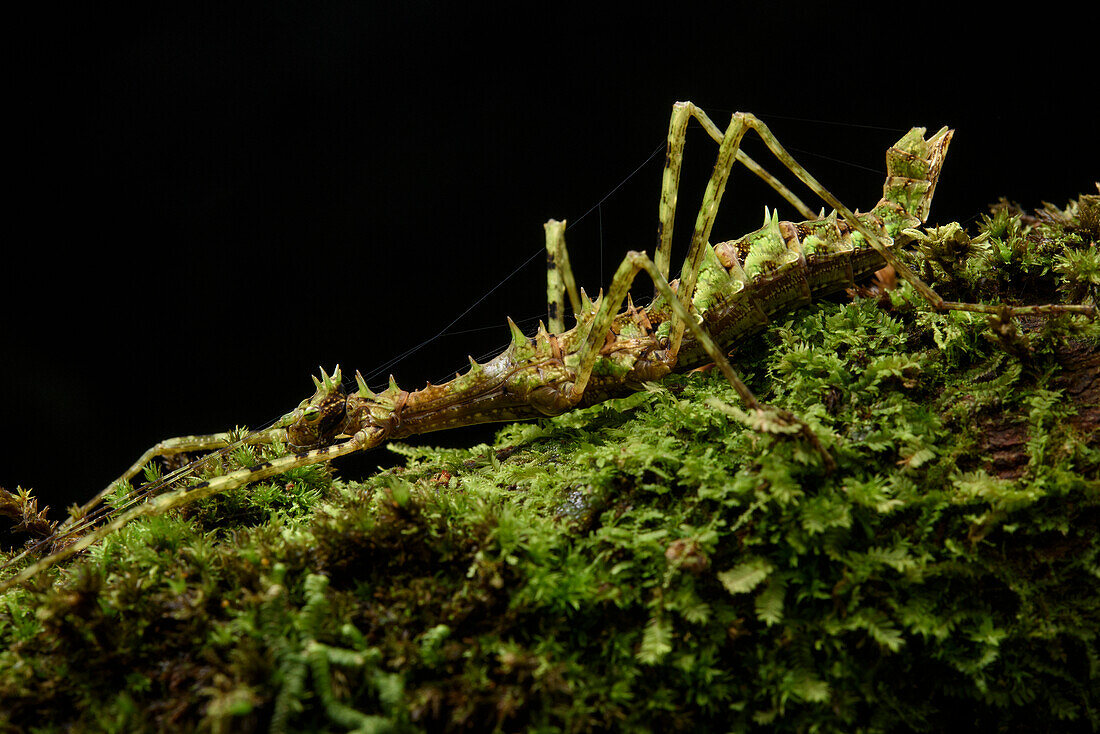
{"x": 742, "y": 285}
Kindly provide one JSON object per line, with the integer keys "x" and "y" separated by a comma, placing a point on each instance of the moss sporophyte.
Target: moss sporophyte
{"x": 899, "y": 533}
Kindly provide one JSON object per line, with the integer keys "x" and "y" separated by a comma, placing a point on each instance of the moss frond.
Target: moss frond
{"x": 646, "y": 564}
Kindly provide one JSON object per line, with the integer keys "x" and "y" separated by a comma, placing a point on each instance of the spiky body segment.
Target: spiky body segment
{"x": 741, "y": 286}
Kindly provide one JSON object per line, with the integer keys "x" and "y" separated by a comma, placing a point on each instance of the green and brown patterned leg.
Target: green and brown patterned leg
{"x": 762, "y": 417}
{"x": 876, "y": 241}
{"x": 682, "y": 112}
{"x": 167, "y": 448}
{"x": 178, "y": 498}
{"x": 559, "y": 273}
{"x": 765, "y": 418}
{"x": 559, "y": 277}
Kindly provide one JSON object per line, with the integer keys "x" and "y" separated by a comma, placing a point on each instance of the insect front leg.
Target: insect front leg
{"x": 178, "y": 498}
{"x": 168, "y": 448}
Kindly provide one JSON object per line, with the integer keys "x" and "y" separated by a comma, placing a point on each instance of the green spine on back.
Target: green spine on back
{"x": 783, "y": 266}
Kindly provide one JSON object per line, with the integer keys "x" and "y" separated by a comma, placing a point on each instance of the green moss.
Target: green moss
{"x": 648, "y": 563}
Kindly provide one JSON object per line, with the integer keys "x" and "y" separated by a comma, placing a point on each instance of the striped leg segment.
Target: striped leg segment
{"x": 882, "y": 247}
{"x": 559, "y": 277}
{"x": 559, "y": 274}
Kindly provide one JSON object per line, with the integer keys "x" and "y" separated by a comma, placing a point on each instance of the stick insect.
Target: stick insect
{"x": 725, "y": 292}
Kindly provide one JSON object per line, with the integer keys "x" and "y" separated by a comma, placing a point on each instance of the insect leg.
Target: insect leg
{"x": 186, "y": 495}
{"x": 559, "y": 277}
{"x": 766, "y": 418}
{"x": 903, "y": 271}
{"x": 171, "y": 447}
{"x": 682, "y": 112}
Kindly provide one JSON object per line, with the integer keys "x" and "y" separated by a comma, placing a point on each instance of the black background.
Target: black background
{"x": 211, "y": 201}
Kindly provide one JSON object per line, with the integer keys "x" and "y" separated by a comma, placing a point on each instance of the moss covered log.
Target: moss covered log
{"x": 649, "y": 563}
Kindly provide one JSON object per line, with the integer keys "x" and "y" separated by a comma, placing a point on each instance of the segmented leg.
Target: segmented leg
{"x": 559, "y": 277}
{"x": 214, "y": 446}
{"x": 903, "y": 271}
{"x": 165, "y": 502}
{"x": 168, "y": 447}
{"x": 559, "y": 274}
{"x": 766, "y": 418}
{"x": 680, "y": 301}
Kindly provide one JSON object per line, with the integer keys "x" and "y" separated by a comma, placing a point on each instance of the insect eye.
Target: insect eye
{"x": 311, "y": 414}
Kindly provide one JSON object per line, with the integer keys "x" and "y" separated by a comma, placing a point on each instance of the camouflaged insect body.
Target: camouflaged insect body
{"x": 742, "y": 285}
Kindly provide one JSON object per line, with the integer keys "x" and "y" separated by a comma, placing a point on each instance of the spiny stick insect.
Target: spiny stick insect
{"x": 725, "y": 293}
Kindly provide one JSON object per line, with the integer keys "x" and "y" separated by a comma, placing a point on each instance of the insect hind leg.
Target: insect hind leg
{"x": 682, "y": 112}
{"x": 876, "y": 241}
{"x": 762, "y": 417}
